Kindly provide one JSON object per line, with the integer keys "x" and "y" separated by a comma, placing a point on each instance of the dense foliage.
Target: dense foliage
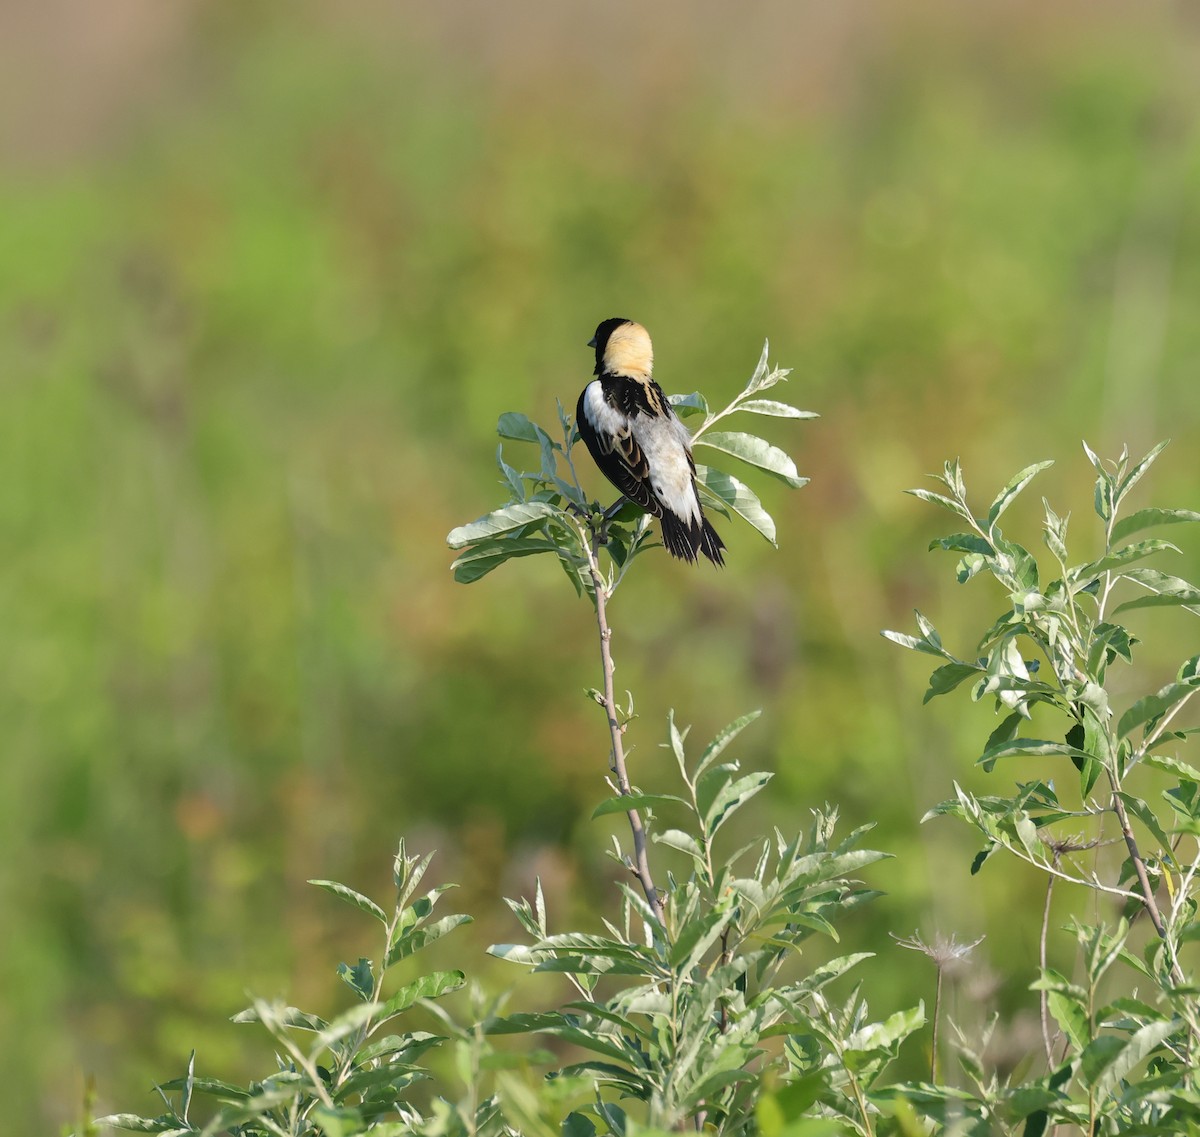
{"x": 694, "y": 1006}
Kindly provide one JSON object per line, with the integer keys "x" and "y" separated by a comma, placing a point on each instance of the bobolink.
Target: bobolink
{"x": 639, "y": 443}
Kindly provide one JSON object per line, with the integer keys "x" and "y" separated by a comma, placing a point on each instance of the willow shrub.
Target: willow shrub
{"x": 691, "y": 1005}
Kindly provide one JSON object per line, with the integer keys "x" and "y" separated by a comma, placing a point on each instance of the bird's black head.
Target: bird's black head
{"x": 600, "y": 340}
{"x": 605, "y": 360}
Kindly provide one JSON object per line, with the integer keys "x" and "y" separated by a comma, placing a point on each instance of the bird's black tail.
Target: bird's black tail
{"x": 687, "y": 541}
{"x": 711, "y": 543}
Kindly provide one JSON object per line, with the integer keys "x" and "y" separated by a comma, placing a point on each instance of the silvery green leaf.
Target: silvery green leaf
{"x": 686, "y": 405}
{"x": 623, "y": 803}
{"x": 774, "y": 409}
{"x": 502, "y": 520}
{"x": 482, "y": 558}
{"x": 727, "y": 490}
{"x": 364, "y": 903}
{"x": 1006, "y": 496}
{"x": 722, "y": 739}
{"x": 1152, "y": 706}
{"x": 1146, "y": 518}
{"x": 431, "y": 986}
{"x": 756, "y": 452}
{"x": 1135, "y": 475}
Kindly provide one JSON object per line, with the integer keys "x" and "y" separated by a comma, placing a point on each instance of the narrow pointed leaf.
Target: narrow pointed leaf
{"x": 723, "y": 738}
{"x": 1152, "y": 706}
{"x": 1146, "y": 518}
{"x": 756, "y": 452}
{"x": 623, "y": 803}
{"x": 500, "y": 521}
{"x": 736, "y": 495}
{"x": 775, "y": 409}
{"x": 1135, "y": 475}
{"x": 363, "y": 903}
{"x": 1006, "y": 496}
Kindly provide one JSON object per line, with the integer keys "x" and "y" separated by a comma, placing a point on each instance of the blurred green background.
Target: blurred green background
{"x": 268, "y": 275}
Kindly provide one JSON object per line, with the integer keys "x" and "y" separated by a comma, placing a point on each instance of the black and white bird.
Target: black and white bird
{"x": 639, "y": 443}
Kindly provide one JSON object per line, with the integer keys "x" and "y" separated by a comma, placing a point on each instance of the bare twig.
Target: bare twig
{"x": 641, "y": 863}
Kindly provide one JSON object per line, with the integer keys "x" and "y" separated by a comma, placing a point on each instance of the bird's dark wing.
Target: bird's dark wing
{"x": 642, "y": 396}
{"x": 620, "y": 459}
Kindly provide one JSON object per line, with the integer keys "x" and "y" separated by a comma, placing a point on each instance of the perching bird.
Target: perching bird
{"x": 639, "y": 443}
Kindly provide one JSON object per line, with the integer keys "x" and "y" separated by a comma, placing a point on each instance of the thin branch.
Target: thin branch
{"x": 1147, "y": 889}
{"x": 641, "y": 863}
{"x": 1044, "y": 999}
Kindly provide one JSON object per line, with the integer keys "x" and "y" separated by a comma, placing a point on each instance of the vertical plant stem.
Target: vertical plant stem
{"x": 1144, "y": 883}
{"x": 641, "y": 863}
{"x": 1044, "y": 999}
{"x": 937, "y": 1014}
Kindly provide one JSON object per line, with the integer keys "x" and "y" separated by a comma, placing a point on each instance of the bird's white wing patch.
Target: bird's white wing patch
{"x": 608, "y": 422}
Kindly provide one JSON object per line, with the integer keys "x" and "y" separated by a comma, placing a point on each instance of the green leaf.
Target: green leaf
{"x": 1026, "y": 747}
{"x": 131, "y": 1122}
{"x": 678, "y": 839}
{"x": 726, "y": 489}
{"x": 1152, "y": 706}
{"x": 1181, "y": 770}
{"x": 774, "y": 409}
{"x": 267, "y": 1014}
{"x": 1143, "y": 813}
{"x": 623, "y": 803}
{"x": 1190, "y": 601}
{"x": 1098, "y": 1055}
{"x": 939, "y": 499}
{"x": 895, "y": 1028}
{"x": 513, "y": 424}
{"x": 914, "y": 643}
{"x": 1006, "y": 496}
{"x": 1068, "y": 1011}
{"x": 359, "y": 901}
{"x": 1139, "y": 1047}
{"x": 412, "y": 941}
{"x": 499, "y": 521}
{"x": 756, "y": 452}
{"x": 359, "y": 978}
{"x": 686, "y": 405}
{"x": 482, "y": 558}
{"x": 577, "y": 1125}
{"x": 945, "y": 678}
{"x": 431, "y": 986}
{"x": 722, "y": 739}
{"x": 731, "y": 798}
{"x": 1135, "y": 475}
{"x": 1125, "y": 555}
{"x": 1146, "y": 518}
{"x": 963, "y": 543}
{"x": 511, "y": 477}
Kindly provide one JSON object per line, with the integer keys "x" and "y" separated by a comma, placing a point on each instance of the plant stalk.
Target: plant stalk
{"x": 641, "y": 863}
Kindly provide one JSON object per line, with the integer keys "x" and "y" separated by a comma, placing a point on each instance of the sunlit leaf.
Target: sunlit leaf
{"x": 1146, "y": 518}
{"x": 774, "y": 409}
{"x": 513, "y": 424}
{"x": 730, "y": 492}
{"x": 756, "y": 452}
{"x": 364, "y": 903}
{"x": 1006, "y": 496}
{"x": 623, "y": 803}
{"x": 499, "y": 521}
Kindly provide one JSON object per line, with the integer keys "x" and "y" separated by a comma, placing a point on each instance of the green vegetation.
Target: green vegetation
{"x": 254, "y": 327}
{"x": 699, "y": 1006}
